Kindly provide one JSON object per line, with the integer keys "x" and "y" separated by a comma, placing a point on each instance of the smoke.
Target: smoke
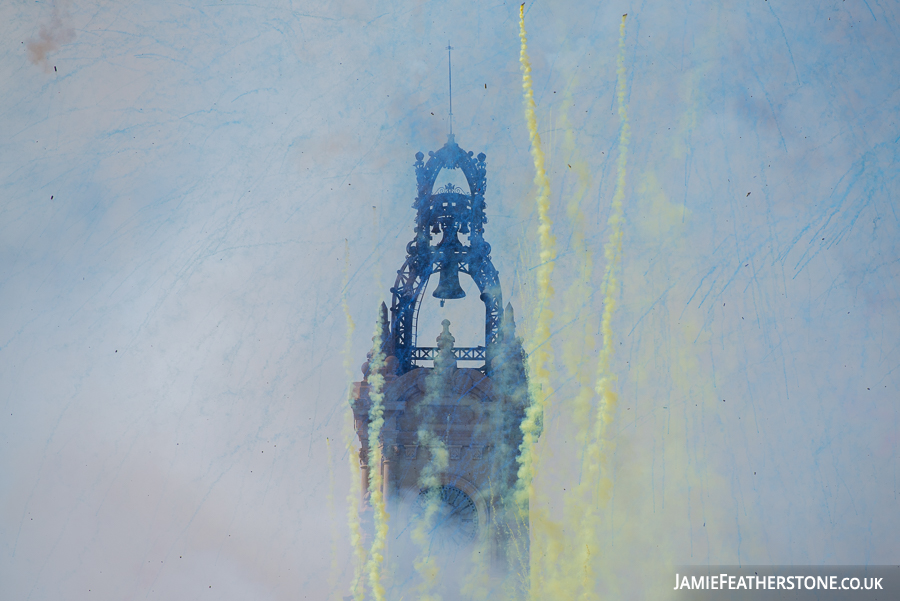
{"x": 572, "y": 557}
{"x": 50, "y": 36}
{"x": 541, "y": 357}
{"x": 375, "y": 380}
{"x": 563, "y": 554}
{"x": 426, "y": 564}
{"x": 355, "y": 496}
{"x": 334, "y": 569}
{"x": 595, "y": 483}
{"x": 578, "y": 347}
{"x": 562, "y": 558}
{"x": 437, "y": 381}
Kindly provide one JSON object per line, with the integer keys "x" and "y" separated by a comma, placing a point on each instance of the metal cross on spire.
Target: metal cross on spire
{"x": 450, "y": 80}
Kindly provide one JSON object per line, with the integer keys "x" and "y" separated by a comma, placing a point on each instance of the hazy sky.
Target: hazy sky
{"x": 184, "y": 186}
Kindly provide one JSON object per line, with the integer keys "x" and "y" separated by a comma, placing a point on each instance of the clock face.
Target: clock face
{"x": 455, "y": 523}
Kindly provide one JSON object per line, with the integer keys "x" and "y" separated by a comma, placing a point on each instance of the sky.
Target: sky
{"x": 188, "y": 192}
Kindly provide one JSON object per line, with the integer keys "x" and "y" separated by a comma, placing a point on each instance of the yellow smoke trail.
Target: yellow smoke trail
{"x": 476, "y": 585}
{"x": 561, "y": 579}
{"x": 429, "y": 480}
{"x": 333, "y": 570}
{"x": 596, "y": 485}
{"x": 376, "y": 422}
{"x": 578, "y": 347}
{"x": 353, "y": 499}
{"x": 540, "y": 358}
{"x": 613, "y": 254}
{"x": 546, "y": 542}
{"x": 437, "y": 381}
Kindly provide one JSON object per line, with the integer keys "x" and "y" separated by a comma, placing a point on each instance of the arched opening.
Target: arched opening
{"x": 466, "y": 316}
{"x": 454, "y": 177}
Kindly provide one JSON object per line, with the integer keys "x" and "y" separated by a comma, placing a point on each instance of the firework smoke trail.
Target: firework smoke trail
{"x": 540, "y": 358}
{"x": 437, "y": 381}
{"x": 376, "y": 422}
{"x": 353, "y": 499}
{"x": 429, "y": 480}
{"x": 576, "y": 349}
{"x": 476, "y": 583}
{"x": 595, "y": 486}
{"x": 333, "y": 571}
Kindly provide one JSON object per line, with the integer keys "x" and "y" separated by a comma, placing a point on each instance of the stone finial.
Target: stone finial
{"x": 445, "y": 340}
{"x": 508, "y": 323}
{"x": 445, "y": 358}
{"x": 385, "y": 327}
{"x": 389, "y": 363}
{"x": 383, "y": 316}
{"x": 507, "y": 359}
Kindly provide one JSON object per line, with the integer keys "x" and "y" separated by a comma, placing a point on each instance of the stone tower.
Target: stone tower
{"x": 470, "y": 401}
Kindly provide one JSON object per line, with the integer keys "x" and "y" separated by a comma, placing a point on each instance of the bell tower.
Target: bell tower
{"x": 451, "y": 429}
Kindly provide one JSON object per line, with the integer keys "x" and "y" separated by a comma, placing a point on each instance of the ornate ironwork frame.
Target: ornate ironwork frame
{"x": 449, "y": 211}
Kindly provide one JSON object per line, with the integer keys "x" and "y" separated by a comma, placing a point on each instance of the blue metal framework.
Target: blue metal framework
{"x": 462, "y": 353}
{"x": 449, "y": 211}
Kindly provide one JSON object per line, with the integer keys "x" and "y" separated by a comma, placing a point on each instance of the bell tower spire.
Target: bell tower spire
{"x": 451, "y": 212}
{"x": 450, "y": 431}
{"x": 450, "y": 84}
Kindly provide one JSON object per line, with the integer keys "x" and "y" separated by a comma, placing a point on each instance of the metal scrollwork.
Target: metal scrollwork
{"x": 447, "y": 211}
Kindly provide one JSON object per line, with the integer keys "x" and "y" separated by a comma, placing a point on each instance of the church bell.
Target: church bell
{"x": 448, "y": 287}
